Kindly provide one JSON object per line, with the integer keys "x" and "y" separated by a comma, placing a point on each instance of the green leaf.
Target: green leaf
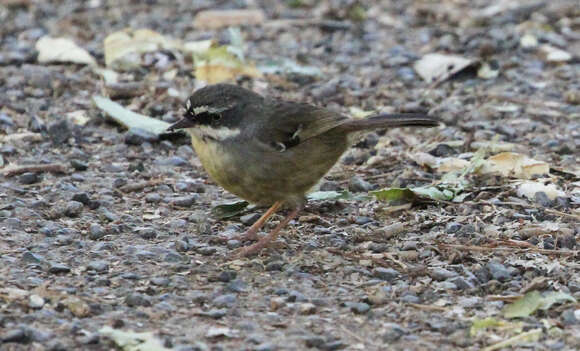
{"x": 555, "y": 297}
{"x": 525, "y": 306}
{"x": 229, "y": 210}
{"x": 334, "y": 195}
{"x": 129, "y": 118}
{"x": 479, "y": 324}
{"x": 394, "y": 195}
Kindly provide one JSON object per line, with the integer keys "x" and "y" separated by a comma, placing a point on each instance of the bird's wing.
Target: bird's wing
{"x": 292, "y": 123}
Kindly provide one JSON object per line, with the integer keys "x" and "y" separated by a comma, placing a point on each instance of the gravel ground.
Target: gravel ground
{"x": 114, "y": 227}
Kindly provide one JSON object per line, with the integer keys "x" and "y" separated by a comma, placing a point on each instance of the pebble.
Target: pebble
{"x": 146, "y": 233}
{"x": 358, "y": 307}
{"x": 73, "y": 209}
{"x": 393, "y": 332}
{"x": 57, "y": 268}
{"x": 79, "y": 165}
{"x": 215, "y": 313}
{"x": 250, "y": 218}
{"x": 98, "y": 266}
{"x": 227, "y": 276}
{"x": 15, "y": 335}
{"x": 441, "y": 274}
{"x": 153, "y": 198}
{"x": 60, "y": 132}
{"x": 542, "y": 199}
{"x": 29, "y": 178}
{"x": 296, "y": 296}
{"x": 362, "y": 220}
{"x": 175, "y": 161}
{"x": 357, "y": 185}
{"x": 137, "y": 136}
{"x": 237, "y": 286}
{"x": 498, "y": 271}
{"x": 83, "y": 198}
{"x": 35, "y": 301}
{"x": 160, "y": 281}
{"x": 274, "y": 266}
{"x": 136, "y": 299}
{"x": 227, "y": 300}
{"x": 185, "y": 201}
{"x": 30, "y": 257}
{"x": 443, "y": 150}
{"x": 567, "y": 242}
{"x": 333, "y": 345}
{"x": 461, "y": 283}
{"x": 314, "y": 341}
{"x": 307, "y": 308}
{"x": 266, "y": 347}
{"x": 96, "y": 231}
{"x": 387, "y": 274}
{"x": 207, "y": 250}
{"x": 452, "y": 227}
{"x": 277, "y": 302}
{"x": 410, "y": 298}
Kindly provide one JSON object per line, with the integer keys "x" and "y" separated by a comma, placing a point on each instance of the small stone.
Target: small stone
{"x": 333, "y": 345}
{"x": 137, "y": 136}
{"x": 357, "y": 185}
{"x": 233, "y": 244}
{"x": 96, "y": 231}
{"x": 569, "y": 317}
{"x": 394, "y": 332}
{"x": 215, "y": 313}
{"x": 358, "y": 307}
{"x": 410, "y": 298}
{"x": 79, "y": 165}
{"x": 82, "y": 198}
{"x": 542, "y": 199}
{"x": 33, "y": 258}
{"x": 16, "y": 336}
{"x": 57, "y": 268}
{"x": 452, "y": 227}
{"x": 441, "y": 274}
{"x": 136, "y": 299}
{"x": 387, "y": 274}
{"x": 314, "y": 341}
{"x": 443, "y": 150}
{"x": 185, "y": 201}
{"x": 306, "y": 308}
{"x": 277, "y": 302}
{"x": 461, "y": 283}
{"x": 160, "y": 281}
{"x": 296, "y": 296}
{"x": 567, "y": 242}
{"x": 330, "y": 186}
{"x": 49, "y": 229}
{"x": 29, "y": 178}
{"x": 146, "y": 233}
{"x": 266, "y": 347}
{"x": 59, "y": 132}
{"x": 227, "y": 276}
{"x": 498, "y": 271}
{"x": 227, "y": 300}
{"x": 562, "y": 203}
{"x": 237, "y": 286}
{"x": 274, "y": 266}
{"x": 362, "y": 220}
{"x": 207, "y": 250}
{"x": 250, "y": 218}
{"x": 98, "y": 266}
{"x": 73, "y": 209}
{"x": 35, "y": 301}
{"x": 153, "y": 198}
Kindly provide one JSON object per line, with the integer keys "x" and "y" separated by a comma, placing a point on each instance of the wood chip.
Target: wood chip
{"x": 212, "y": 19}
{"x": 51, "y": 167}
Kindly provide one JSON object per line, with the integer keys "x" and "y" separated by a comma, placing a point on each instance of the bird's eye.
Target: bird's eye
{"x": 216, "y": 117}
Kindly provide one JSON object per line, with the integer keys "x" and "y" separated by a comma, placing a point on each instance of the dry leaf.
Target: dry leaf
{"x": 529, "y": 190}
{"x": 123, "y": 43}
{"x": 62, "y": 50}
{"x": 552, "y": 54}
{"x": 515, "y": 165}
{"x": 212, "y": 19}
{"x": 218, "y": 65}
{"x": 438, "y": 67}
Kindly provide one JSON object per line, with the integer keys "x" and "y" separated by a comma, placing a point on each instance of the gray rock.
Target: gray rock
{"x": 136, "y": 299}
{"x": 30, "y": 257}
{"x": 29, "y": 178}
{"x": 223, "y": 301}
{"x": 357, "y": 184}
{"x": 542, "y": 199}
{"x": 79, "y": 165}
{"x": 98, "y": 266}
{"x": 73, "y": 209}
{"x": 185, "y": 201}
{"x": 452, "y": 227}
{"x": 296, "y": 296}
{"x": 358, "y": 307}
{"x": 250, "y": 218}
{"x": 160, "y": 281}
{"x": 146, "y": 233}
{"x": 137, "y": 136}
{"x": 58, "y": 268}
{"x": 313, "y": 341}
{"x": 153, "y": 198}
{"x": 19, "y": 335}
{"x": 227, "y": 276}
{"x": 498, "y": 271}
{"x": 83, "y": 198}
{"x": 461, "y": 283}
{"x": 207, "y": 250}
{"x": 96, "y": 231}
{"x": 441, "y": 274}
{"x": 59, "y": 132}
{"x": 387, "y": 274}
{"x": 274, "y": 266}
{"x": 393, "y": 332}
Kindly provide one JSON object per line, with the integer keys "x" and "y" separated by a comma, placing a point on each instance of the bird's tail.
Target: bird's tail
{"x": 391, "y": 121}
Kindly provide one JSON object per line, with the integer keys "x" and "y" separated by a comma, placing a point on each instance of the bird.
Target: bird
{"x": 272, "y": 152}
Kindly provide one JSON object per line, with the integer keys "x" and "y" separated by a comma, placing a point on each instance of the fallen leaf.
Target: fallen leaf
{"x": 515, "y": 165}
{"x": 78, "y": 117}
{"x": 77, "y": 307}
{"x": 214, "y": 332}
{"x": 528, "y": 41}
{"x": 530, "y": 188}
{"x": 552, "y": 54}
{"x": 286, "y": 66}
{"x": 130, "y": 119}
{"x": 224, "y": 211}
{"x": 212, "y": 19}
{"x": 488, "y": 71}
{"x": 394, "y": 195}
{"x": 132, "y": 341}
{"x": 122, "y": 43}
{"x": 334, "y": 195}
{"x": 438, "y": 67}
{"x": 533, "y": 300}
{"x": 62, "y": 50}
{"x": 529, "y": 336}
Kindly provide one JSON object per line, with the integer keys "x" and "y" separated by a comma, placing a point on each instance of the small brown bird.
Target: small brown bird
{"x": 272, "y": 152}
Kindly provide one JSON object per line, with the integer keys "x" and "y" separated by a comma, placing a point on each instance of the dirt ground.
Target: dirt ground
{"x": 106, "y": 231}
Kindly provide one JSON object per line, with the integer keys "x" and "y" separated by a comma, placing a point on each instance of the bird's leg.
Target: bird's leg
{"x": 251, "y": 233}
{"x": 265, "y": 241}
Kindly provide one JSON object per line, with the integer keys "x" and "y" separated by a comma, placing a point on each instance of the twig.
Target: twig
{"x": 139, "y": 186}
{"x": 51, "y": 167}
{"x": 427, "y": 307}
{"x": 509, "y": 249}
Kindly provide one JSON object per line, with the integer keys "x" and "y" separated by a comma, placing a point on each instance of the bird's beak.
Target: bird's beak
{"x": 185, "y": 122}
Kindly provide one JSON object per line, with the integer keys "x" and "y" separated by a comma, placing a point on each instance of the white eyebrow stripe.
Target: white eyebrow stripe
{"x": 218, "y": 133}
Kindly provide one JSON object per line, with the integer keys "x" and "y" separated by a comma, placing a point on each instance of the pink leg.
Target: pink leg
{"x": 251, "y": 233}
{"x": 265, "y": 241}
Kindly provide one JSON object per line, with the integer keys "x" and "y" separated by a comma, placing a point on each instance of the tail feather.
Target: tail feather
{"x": 391, "y": 121}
